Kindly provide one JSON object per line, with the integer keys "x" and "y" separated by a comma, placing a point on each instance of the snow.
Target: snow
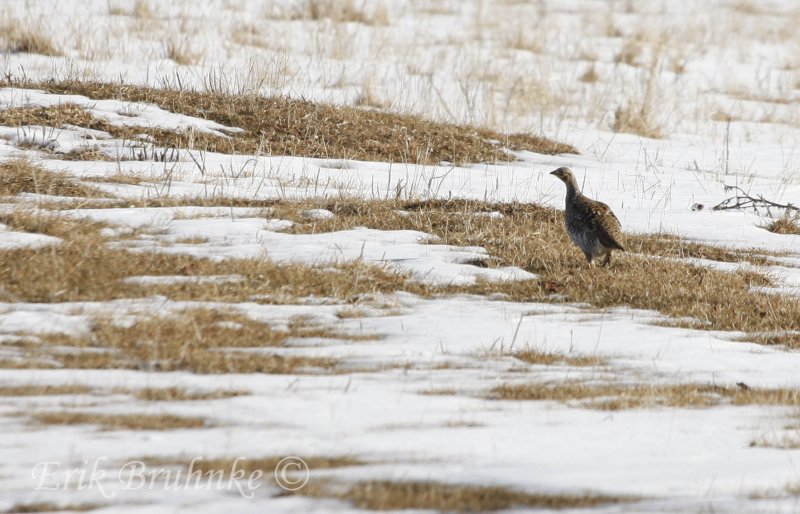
{"x": 532, "y": 445}
{"x": 115, "y": 112}
{"x": 156, "y": 217}
{"x": 318, "y": 214}
{"x": 461, "y": 67}
{"x": 181, "y": 279}
{"x": 12, "y": 240}
{"x": 404, "y": 250}
{"x": 34, "y": 321}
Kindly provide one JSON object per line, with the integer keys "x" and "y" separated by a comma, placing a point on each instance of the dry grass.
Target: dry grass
{"x": 785, "y": 442}
{"x": 447, "y": 391}
{"x": 292, "y": 127}
{"x": 335, "y": 12}
{"x": 18, "y": 363}
{"x": 87, "y": 153}
{"x": 630, "y": 51}
{"x": 162, "y": 201}
{"x": 523, "y": 38}
{"x": 19, "y": 36}
{"x": 532, "y": 356}
{"x": 342, "y": 11}
{"x": 785, "y": 225}
{"x": 64, "y": 115}
{"x": 23, "y": 508}
{"x": 180, "y": 52}
{"x": 119, "y": 421}
{"x": 371, "y": 97}
{"x": 636, "y": 118}
{"x": 527, "y": 236}
{"x": 81, "y": 267}
{"x": 534, "y": 239}
{"x": 175, "y": 394}
{"x": 782, "y": 338}
{"x": 387, "y": 495}
{"x": 199, "y": 340}
{"x": 589, "y": 76}
{"x": 672, "y": 246}
{"x": 639, "y": 114}
{"x": 21, "y": 176}
{"x": 30, "y": 120}
{"x": 748, "y": 7}
{"x": 50, "y": 223}
{"x": 84, "y": 267}
{"x": 43, "y": 390}
{"x": 143, "y": 9}
{"x": 609, "y": 396}
{"x": 122, "y": 177}
{"x": 267, "y": 465}
{"x": 53, "y": 116}
{"x": 350, "y": 313}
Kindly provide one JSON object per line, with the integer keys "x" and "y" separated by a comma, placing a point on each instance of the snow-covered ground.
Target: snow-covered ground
{"x": 510, "y": 65}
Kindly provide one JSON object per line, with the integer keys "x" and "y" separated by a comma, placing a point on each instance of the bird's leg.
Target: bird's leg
{"x": 607, "y": 259}
{"x": 590, "y": 258}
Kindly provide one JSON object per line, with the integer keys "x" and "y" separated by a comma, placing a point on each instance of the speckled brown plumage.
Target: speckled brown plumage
{"x": 591, "y": 224}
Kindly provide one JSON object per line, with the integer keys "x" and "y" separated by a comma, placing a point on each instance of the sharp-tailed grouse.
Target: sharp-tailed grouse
{"x": 591, "y": 224}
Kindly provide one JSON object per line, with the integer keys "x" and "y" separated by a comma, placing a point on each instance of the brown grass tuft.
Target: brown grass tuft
{"x": 121, "y": 177}
{"x": 43, "y": 390}
{"x": 282, "y": 126}
{"x": 785, "y": 442}
{"x": 174, "y": 394}
{"x": 18, "y": 36}
{"x": 785, "y": 225}
{"x": 119, "y": 421}
{"x": 21, "y": 176}
{"x": 199, "y": 340}
{"x": 780, "y": 338}
{"x": 609, "y": 396}
{"x": 85, "y": 154}
{"x": 532, "y": 356}
{"x": 636, "y": 119}
{"x": 84, "y": 267}
{"x": 53, "y": 116}
{"x": 590, "y": 75}
{"x": 180, "y": 52}
{"x": 24, "y": 508}
{"x": 342, "y": 11}
{"x": 631, "y": 50}
{"x": 267, "y": 465}
{"x": 143, "y": 9}
{"x": 438, "y": 392}
{"x": 667, "y": 245}
{"x": 639, "y": 114}
{"x": 387, "y": 495}
{"x": 51, "y": 224}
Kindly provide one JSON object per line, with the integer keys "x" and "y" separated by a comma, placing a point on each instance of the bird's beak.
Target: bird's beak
{"x": 553, "y": 172}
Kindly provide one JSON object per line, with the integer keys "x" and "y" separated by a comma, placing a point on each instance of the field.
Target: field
{"x": 307, "y": 256}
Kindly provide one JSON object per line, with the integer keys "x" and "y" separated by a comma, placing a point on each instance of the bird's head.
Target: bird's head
{"x": 564, "y": 174}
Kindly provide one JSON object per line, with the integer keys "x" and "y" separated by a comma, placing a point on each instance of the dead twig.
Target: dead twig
{"x": 743, "y": 200}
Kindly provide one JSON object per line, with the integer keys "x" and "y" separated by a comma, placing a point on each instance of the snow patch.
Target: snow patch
{"x": 404, "y": 250}
{"x": 11, "y": 240}
{"x": 115, "y": 112}
{"x": 318, "y": 214}
{"x": 146, "y": 280}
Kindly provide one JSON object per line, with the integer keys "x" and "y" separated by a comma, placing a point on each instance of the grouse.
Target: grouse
{"x": 591, "y": 224}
